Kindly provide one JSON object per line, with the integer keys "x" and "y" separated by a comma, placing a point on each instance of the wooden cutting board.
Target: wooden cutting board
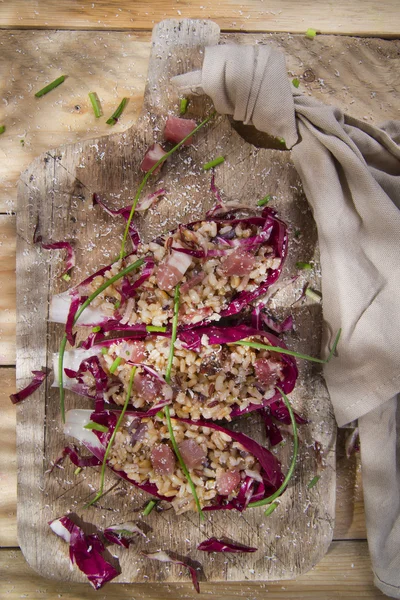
{"x": 56, "y": 192}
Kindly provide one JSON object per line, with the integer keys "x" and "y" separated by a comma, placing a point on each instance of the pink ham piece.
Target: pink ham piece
{"x": 239, "y": 262}
{"x": 177, "y": 129}
{"x": 163, "y": 459}
{"x": 264, "y": 373}
{"x": 227, "y": 482}
{"x": 152, "y": 156}
{"x": 193, "y": 455}
{"x": 171, "y": 271}
{"x": 133, "y": 351}
{"x": 147, "y": 387}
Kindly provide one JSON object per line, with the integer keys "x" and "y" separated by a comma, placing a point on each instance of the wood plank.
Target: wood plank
{"x": 8, "y": 461}
{"x": 364, "y": 17}
{"x": 360, "y": 76}
{"x": 7, "y": 287}
{"x": 110, "y": 166}
{"x": 344, "y": 572}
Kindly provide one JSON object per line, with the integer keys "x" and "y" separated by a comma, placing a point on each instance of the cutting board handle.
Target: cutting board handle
{"x": 171, "y": 33}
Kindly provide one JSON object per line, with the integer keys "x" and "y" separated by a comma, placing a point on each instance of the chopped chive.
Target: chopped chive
{"x": 66, "y": 277}
{"x": 50, "y": 87}
{"x": 282, "y": 141}
{"x": 22, "y": 142}
{"x": 104, "y": 350}
{"x": 183, "y": 106}
{"x": 311, "y": 33}
{"x": 104, "y": 286}
{"x": 314, "y": 294}
{"x": 149, "y": 507}
{"x": 271, "y": 509}
{"x": 296, "y": 82}
{"x": 304, "y": 266}
{"x": 117, "y": 304}
{"x": 150, "y": 328}
{"x": 96, "y": 427}
{"x": 2, "y": 129}
{"x": 213, "y": 163}
{"x": 173, "y": 334}
{"x": 297, "y": 233}
{"x": 115, "y": 365}
{"x": 289, "y": 474}
{"x": 313, "y": 481}
{"x": 290, "y": 352}
{"x": 118, "y": 112}
{"x": 77, "y": 470}
{"x": 149, "y": 172}
{"x": 265, "y": 200}
{"x": 96, "y": 329}
{"x": 112, "y": 438}
{"x": 95, "y": 104}
{"x": 160, "y": 414}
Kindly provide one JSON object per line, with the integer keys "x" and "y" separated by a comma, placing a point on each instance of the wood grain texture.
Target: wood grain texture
{"x": 8, "y": 461}
{"x": 67, "y": 178}
{"x": 343, "y": 573}
{"x": 7, "y": 287}
{"x": 364, "y": 17}
{"x": 361, "y": 76}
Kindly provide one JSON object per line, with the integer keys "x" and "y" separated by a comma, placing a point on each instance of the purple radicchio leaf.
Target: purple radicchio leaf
{"x": 164, "y": 557}
{"x": 215, "y": 545}
{"x": 123, "y": 534}
{"x": 86, "y": 551}
{"x": 38, "y": 378}
{"x": 70, "y": 258}
{"x": 123, "y": 212}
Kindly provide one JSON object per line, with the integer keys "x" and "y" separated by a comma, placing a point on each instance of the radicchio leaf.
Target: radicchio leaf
{"x": 38, "y": 378}
{"x": 70, "y": 258}
{"x": 215, "y": 545}
{"x": 164, "y": 557}
{"x": 86, "y": 551}
{"x": 123, "y": 534}
{"x": 124, "y": 212}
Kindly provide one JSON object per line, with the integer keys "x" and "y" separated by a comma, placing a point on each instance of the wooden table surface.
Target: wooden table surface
{"x": 31, "y": 53}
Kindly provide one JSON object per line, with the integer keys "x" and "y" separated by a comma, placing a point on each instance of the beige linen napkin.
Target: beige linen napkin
{"x": 351, "y": 176}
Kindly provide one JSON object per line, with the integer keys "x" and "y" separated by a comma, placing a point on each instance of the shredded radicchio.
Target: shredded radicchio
{"x": 164, "y": 557}
{"x": 70, "y": 258}
{"x": 215, "y": 545}
{"x": 123, "y": 534}
{"x": 38, "y": 378}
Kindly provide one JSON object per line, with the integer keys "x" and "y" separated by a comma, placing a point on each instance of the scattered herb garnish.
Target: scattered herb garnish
{"x": 105, "y": 285}
{"x": 96, "y": 329}
{"x": 313, "y": 294}
{"x": 22, "y": 142}
{"x": 289, "y": 474}
{"x": 183, "y": 106}
{"x": 297, "y": 233}
{"x": 95, "y": 104}
{"x": 271, "y": 508}
{"x": 213, "y": 163}
{"x": 96, "y": 427}
{"x": 166, "y": 408}
{"x": 112, "y": 438}
{"x": 311, "y": 33}
{"x": 2, "y": 129}
{"x": 264, "y": 201}
{"x": 259, "y": 346}
{"x": 66, "y": 277}
{"x": 296, "y": 82}
{"x": 50, "y": 87}
{"x": 160, "y": 414}
{"x": 304, "y": 266}
{"x": 151, "y": 328}
{"x": 282, "y": 141}
{"x": 115, "y": 365}
{"x": 118, "y": 112}
{"x": 149, "y": 507}
{"x": 149, "y": 172}
{"x": 313, "y": 481}
{"x": 77, "y": 470}
{"x": 104, "y": 350}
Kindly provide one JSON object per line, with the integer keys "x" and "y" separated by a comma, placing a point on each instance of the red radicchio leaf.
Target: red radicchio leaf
{"x": 271, "y": 429}
{"x": 214, "y": 545}
{"x": 76, "y": 458}
{"x": 86, "y": 551}
{"x": 70, "y": 259}
{"x": 163, "y": 557}
{"x": 124, "y": 212}
{"x": 281, "y": 413}
{"x": 38, "y": 378}
{"x": 122, "y": 535}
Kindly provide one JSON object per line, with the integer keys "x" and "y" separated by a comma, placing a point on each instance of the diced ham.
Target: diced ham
{"x": 176, "y": 129}
{"x": 133, "y": 351}
{"x": 191, "y": 283}
{"x": 239, "y": 262}
{"x": 192, "y": 454}
{"x": 163, "y": 459}
{"x": 147, "y": 387}
{"x": 264, "y": 373}
{"x": 152, "y": 156}
{"x": 171, "y": 270}
{"x": 227, "y": 482}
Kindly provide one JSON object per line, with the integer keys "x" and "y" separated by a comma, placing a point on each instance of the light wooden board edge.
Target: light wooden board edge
{"x": 364, "y": 17}
{"x": 8, "y": 460}
{"x": 7, "y": 287}
{"x": 344, "y": 572}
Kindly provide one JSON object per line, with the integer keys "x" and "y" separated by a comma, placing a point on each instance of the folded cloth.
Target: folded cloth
{"x": 351, "y": 176}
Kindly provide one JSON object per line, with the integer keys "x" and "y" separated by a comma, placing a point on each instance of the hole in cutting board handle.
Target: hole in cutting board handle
{"x": 257, "y": 138}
